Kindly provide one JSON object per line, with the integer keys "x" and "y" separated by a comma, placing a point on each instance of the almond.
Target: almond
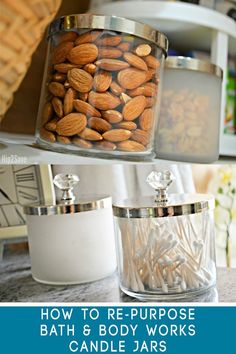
{"x": 86, "y": 108}
{"x": 112, "y": 116}
{"x": 71, "y": 124}
{"x": 65, "y": 67}
{"x": 99, "y": 124}
{"x": 90, "y": 68}
{"x": 141, "y": 136}
{"x": 88, "y": 37}
{"x": 111, "y": 64}
{"x": 105, "y": 145}
{"x": 142, "y": 50}
{"x": 59, "y": 77}
{"x": 69, "y": 101}
{"x": 134, "y": 108}
{"x": 46, "y": 135}
{"x": 131, "y": 146}
{"x": 60, "y": 52}
{"x": 83, "y": 54}
{"x": 146, "y": 119}
{"x": 124, "y": 46}
{"x": 102, "y": 81}
{"x": 83, "y": 96}
{"x": 80, "y": 80}
{"x": 47, "y": 112}
{"x": 68, "y": 36}
{"x": 57, "y": 106}
{"x": 52, "y": 125}
{"x": 151, "y": 84}
{"x": 148, "y": 89}
{"x": 57, "y": 89}
{"x": 90, "y": 134}
{"x": 63, "y": 139}
{"x": 124, "y": 98}
{"x": 103, "y": 101}
{"x": 116, "y": 89}
{"x": 150, "y": 101}
{"x": 116, "y": 135}
{"x": 135, "y": 61}
{"x": 152, "y": 62}
{"x": 82, "y": 143}
{"x": 131, "y": 78}
{"x": 150, "y": 74}
{"x": 109, "y": 41}
{"x": 109, "y": 53}
{"x": 127, "y": 125}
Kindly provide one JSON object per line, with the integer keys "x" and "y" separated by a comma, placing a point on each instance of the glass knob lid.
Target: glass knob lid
{"x": 66, "y": 183}
{"x": 160, "y": 181}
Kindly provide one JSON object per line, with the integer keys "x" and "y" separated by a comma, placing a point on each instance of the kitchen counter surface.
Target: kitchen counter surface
{"x": 17, "y": 285}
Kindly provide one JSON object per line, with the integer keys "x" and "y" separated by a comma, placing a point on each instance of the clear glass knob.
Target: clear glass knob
{"x": 160, "y": 181}
{"x": 66, "y": 183}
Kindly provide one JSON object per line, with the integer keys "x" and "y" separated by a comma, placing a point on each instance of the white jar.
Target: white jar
{"x": 189, "y": 119}
{"x": 71, "y": 242}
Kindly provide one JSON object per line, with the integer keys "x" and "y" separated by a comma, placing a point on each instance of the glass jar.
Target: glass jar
{"x": 99, "y": 93}
{"x": 73, "y": 241}
{"x": 165, "y": 245}
{"x": 188, "y": 128}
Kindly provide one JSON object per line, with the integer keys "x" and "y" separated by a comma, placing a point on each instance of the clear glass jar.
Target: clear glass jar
{"x": 99, "y": 93}
{"x": 165, "y": 248}
{"x": 189, "y": 120}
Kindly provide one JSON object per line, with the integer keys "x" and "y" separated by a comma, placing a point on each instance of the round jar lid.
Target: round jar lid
{"x": 178, "y": 204}
{"x": 163, "y": 205}
{"x": 188, "y": 63}
{"x": 68, "y": 203}
{"x": 112, "y": 23}
{"x": 84, "y": 204}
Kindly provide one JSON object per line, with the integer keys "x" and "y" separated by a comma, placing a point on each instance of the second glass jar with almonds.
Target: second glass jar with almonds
{"x": 100, "y": 88}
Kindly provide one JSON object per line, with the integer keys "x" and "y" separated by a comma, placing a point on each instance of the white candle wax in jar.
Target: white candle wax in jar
{"x": 72, "y": 242}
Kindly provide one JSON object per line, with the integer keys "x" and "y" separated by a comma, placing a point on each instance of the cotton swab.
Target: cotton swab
{"x": 157, "y": 258}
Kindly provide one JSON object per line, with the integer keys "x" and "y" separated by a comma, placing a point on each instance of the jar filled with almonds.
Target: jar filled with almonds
{"x": 99, "y": 94}
{"x": 188, "y": 128}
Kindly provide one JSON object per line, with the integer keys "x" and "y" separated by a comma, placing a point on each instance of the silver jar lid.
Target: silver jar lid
{"x": 188, "y": 63}
{"x": 68, "y": 203}
{"x": 110, "y": 23}
{"x": 163, "y": 205}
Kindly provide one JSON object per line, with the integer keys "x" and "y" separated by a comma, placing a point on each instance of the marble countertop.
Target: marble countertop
{"x": 17, "y": 285}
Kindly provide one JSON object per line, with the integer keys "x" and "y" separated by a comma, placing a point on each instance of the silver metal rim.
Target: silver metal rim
{"x": 161, "y": 211}
{"x": 67, "y": 208}
{"x": 112, "y": 23}
{"x": 188, "y": 63}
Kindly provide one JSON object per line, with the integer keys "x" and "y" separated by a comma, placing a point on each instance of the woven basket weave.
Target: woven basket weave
{"x": 22, "y": 24}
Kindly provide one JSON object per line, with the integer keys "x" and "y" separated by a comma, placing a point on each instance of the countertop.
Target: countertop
{"x": 17, "y": 285}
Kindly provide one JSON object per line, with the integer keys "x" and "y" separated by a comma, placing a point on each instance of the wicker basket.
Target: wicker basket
{"x": 22, "y": 23}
